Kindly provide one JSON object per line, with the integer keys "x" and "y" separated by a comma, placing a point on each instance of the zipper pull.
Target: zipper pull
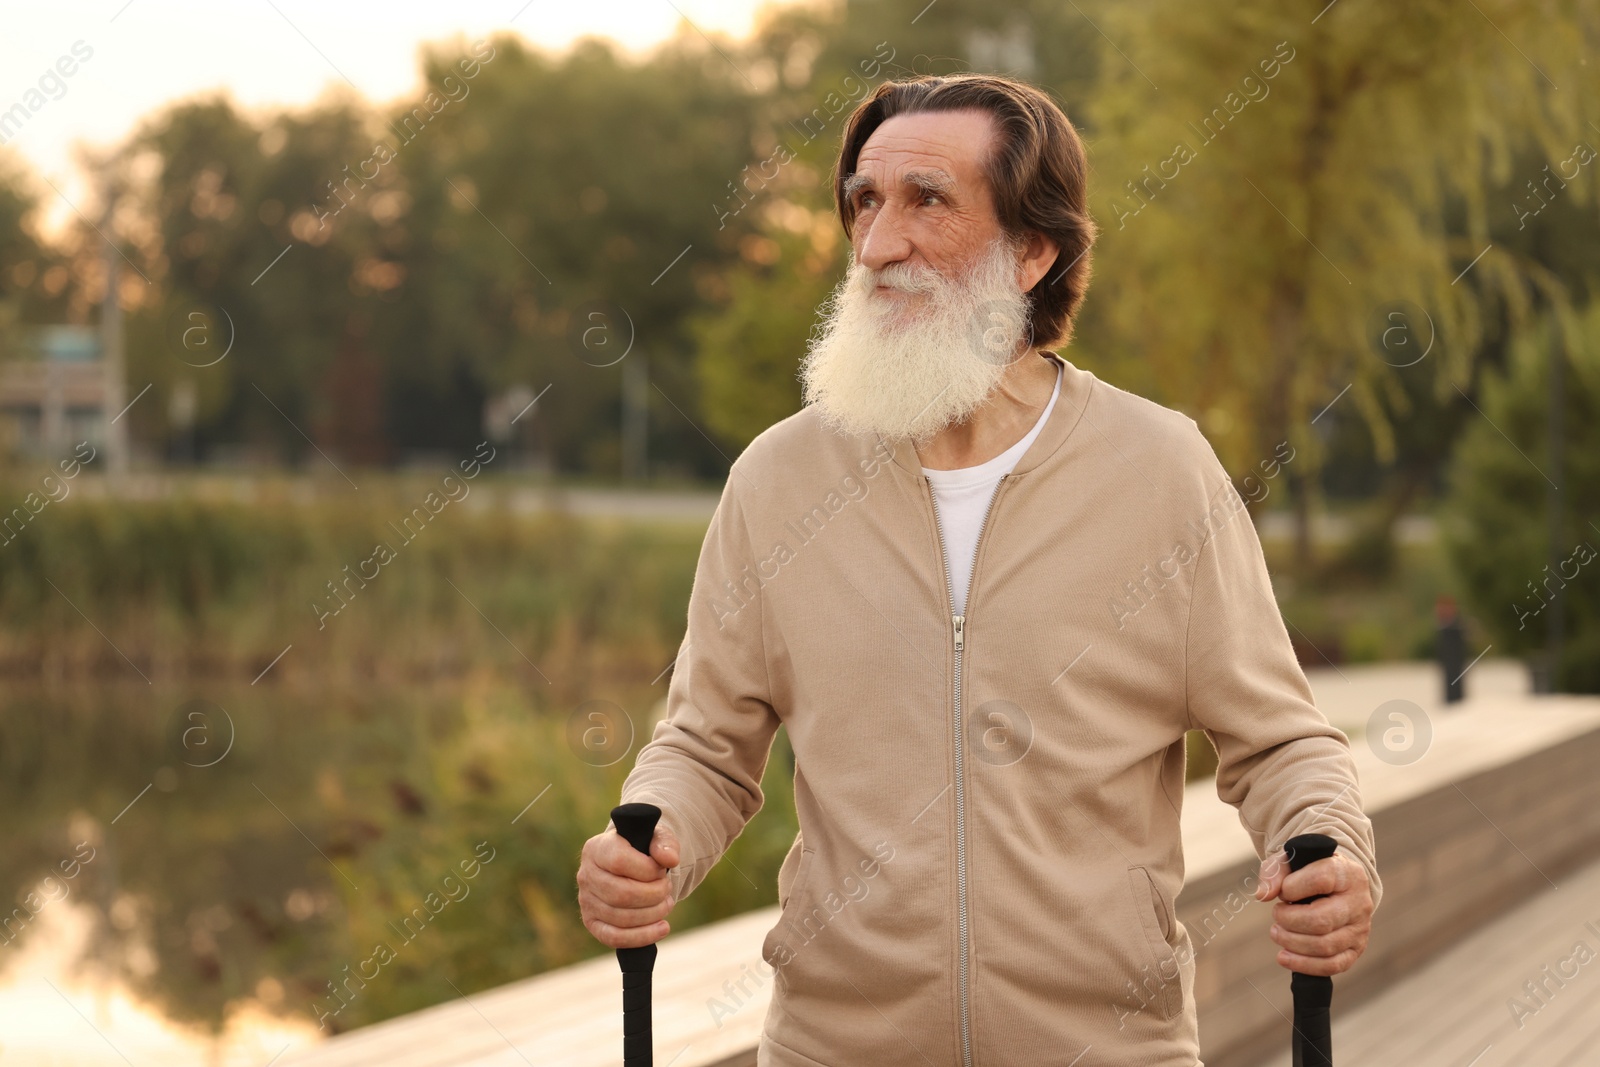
{"x": 960, "y": 621}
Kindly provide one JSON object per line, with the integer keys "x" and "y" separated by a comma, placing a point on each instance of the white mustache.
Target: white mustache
{"x": 905, "y": 278}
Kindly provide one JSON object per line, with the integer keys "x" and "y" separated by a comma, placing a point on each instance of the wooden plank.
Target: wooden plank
{"x": 572, "y": 1017}
{"x": 1454, "y": 1011}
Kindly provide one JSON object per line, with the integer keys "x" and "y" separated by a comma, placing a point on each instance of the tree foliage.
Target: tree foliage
{"x": 1499, "y": 533}
{"x": 33, "y": 280}
{"x": 1278, "y": 240}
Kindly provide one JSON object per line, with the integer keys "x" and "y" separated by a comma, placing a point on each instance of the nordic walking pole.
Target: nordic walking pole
{"x": 637, "y": 824}
{"x": 1313, "y": 993}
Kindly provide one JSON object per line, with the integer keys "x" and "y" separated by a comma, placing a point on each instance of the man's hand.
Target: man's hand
{"x": 1325, "y": 936}
{"x": 623, "y": 894}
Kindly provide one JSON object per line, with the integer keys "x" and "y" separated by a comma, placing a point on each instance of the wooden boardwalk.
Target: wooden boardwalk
{"x": 572, "y": 1017}
{"x": 1457, "y": 1010}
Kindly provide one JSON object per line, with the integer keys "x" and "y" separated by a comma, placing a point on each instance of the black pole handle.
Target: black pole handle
{"x": 637, "y": 825}
{"x": 1313, "y": 993}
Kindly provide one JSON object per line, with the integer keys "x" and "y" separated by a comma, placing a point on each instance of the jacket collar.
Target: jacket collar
{"x": 1064, "y": 418}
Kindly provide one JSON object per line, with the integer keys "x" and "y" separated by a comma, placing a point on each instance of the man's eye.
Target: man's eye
{"x": 931, "y": 196}
{"x": 861, "y": 201}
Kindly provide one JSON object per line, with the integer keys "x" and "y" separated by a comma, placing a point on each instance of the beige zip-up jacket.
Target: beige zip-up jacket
{"x": 989, "y": 847}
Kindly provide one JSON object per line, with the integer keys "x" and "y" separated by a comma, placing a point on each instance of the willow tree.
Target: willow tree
{"x": 1293, "y": 201}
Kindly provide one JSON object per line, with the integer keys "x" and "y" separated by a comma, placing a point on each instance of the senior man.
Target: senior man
{"x": 987, "y": 593}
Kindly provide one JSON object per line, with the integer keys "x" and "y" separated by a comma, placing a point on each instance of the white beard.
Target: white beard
{"x": 875, "y": 368}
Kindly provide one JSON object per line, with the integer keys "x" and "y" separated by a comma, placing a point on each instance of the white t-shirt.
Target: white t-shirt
{"x": 963, "y": 497}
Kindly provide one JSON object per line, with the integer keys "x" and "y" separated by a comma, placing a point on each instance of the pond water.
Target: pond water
{"x": 55, "y": 1014}
{"x": 217, "y": 877}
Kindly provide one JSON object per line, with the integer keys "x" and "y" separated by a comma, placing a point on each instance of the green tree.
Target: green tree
{"x": 1559, "y": 240}
{"x": 33, "y": 278}
{"x": 382, "y": 271}
{"x": 226, "y": 197}
{"x": 1498, "y": 522}
{"x": 1275, "y": 180}
{"x": 565, "y": 183}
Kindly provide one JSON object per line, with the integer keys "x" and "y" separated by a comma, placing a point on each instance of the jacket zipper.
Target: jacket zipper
{"x": 958, "y": 623}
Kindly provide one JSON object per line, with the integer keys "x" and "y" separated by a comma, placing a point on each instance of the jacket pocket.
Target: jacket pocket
{"x": 776, "y": 949}
{"x": 788, "y": 870}
{"x": 1162, "y": 985}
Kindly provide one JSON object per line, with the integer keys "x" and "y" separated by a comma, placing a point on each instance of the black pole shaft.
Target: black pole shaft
{"x": 637, "y": 824}
{"x": 1313, "y": 993}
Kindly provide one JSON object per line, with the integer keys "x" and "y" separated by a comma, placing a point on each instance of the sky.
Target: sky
{"x": 266, "y": 53}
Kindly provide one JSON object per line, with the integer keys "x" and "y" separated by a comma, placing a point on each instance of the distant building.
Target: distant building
{"x": 53, "y": 393}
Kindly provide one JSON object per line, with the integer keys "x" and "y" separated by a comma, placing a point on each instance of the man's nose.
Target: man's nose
{"x": 882, "y": 241}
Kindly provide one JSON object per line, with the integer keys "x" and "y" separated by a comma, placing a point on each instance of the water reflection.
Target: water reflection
{"x": 53, "y": 1014}
{"x": 210, "y": 879}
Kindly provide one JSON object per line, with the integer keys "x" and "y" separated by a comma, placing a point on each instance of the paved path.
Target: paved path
{"x": 631, "y": 502}
{"x": 1348, "y": 695}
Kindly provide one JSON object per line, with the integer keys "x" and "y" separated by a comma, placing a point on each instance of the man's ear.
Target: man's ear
{"x": 1039, "y": 254}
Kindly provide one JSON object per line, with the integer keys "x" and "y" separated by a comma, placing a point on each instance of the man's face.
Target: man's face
{"x": 933, "y": 307}
{"x": 920, "y": 193}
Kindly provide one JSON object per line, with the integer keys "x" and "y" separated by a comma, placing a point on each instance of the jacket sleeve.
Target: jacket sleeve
{"x": 703, "y": 765}
{"x": 1285, "y": 768}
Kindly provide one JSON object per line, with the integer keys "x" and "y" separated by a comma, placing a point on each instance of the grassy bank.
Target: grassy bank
{"x": 190, "y": 588}
{"x": 372, "y": 586}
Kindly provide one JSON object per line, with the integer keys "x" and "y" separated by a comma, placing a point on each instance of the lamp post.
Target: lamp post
{"x": 635, "y": 415}
{"x": 1557, "y": 448}
{"x": 111, "y": 353}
